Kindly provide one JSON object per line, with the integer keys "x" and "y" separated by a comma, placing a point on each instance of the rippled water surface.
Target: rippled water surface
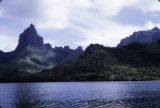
{"x": 81, "y": 95}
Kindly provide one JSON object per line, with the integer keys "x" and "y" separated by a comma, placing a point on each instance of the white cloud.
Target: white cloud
{"x": 7, "y": 43}
{"x": 84, "y": 3}
{"x": 112, "y": 7}
{"x": 149, "y": 6}
{"x": 108, "y": 33}
{"x": 54, "y": 14}
{"x": 92, "y": 18}
{"x": 150, "y": 25}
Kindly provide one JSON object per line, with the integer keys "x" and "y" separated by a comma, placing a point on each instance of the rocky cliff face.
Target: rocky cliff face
{"x": 30, "y": 37}
{"x": 65, "y": 54}
{"x": 31, "y": 52}
{"x": 150, "y": 36}
{"x": 33, "y": 55}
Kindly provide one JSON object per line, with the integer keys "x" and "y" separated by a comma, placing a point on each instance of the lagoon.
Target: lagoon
{"x": 140, "y": 94}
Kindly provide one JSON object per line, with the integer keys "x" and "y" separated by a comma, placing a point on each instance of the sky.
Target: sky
{"x": 76, "y": 22}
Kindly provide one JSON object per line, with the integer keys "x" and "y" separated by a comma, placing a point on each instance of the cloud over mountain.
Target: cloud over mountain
{"x": 81, "y": 21}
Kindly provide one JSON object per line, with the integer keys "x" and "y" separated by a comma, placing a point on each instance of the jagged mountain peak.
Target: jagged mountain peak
{"x": 149, "y": 36}
{"x": 31, "y": 30}
{"x": 155, "y": 29}
{"x": 79, "y": 48}
{"x": 30, "y": 37}
{"x": 32, "y": 25}
{"x": 48, "y": 46}
{"x": 32, "y": 55}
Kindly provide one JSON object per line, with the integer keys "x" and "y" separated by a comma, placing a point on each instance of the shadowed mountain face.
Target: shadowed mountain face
{"x": 32, "y": 55}
{"x": 65, "y": 54}
{"x": 138, "y": 58}
{"x": 135, "y": 61}
{"x": 30, "y": 37}
{"x": 150, "y": 36}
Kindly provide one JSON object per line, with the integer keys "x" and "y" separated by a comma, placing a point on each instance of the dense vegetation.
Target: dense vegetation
{"x": 133, "y": 62}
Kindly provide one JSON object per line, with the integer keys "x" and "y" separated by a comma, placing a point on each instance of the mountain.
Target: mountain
{"x": 136, "y": 61}
{"x": 65, "y": 54}
{"x": 139, "y": 59}
{"x": 33, "y": 55}
{"x": 150, "y": 36}
{"x": 30, "y": 37}
{"x": 31, "y": 52}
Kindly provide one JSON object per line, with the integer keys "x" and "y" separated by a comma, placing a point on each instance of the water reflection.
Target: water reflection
{"x": 81, "y": 95}
{"x": 26, "y": 96}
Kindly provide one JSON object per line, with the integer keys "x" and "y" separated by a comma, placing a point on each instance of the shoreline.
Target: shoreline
{"x": 81, "y": 82}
